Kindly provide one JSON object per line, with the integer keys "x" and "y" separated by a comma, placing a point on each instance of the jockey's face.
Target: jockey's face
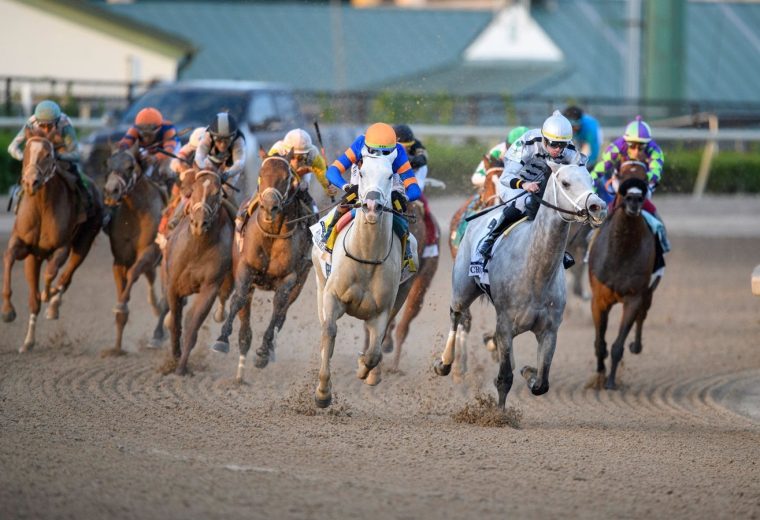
{"x": 222, "y": 144}
{"x": 555, "y": 148}
{"x": 46, "y": 127}
{"x": 147, "y": 132}
{"x": 636, "y": 151}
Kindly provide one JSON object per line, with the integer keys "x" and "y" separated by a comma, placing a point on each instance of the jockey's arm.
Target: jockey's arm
{"x": 170, "y": 142}
{"x": 70, "y": 151}
{"x": 202, "y": 161}
{"x": 232, "y": 174}
{"x": 319, "y": 168}
{"x": 129, "y": 139}
{"x": 655, "y": 164}
{"x": 16, "y": 148}
{"x": 509, "y": 180}
{"x": 344, "y": 162}
{"x": 404, "y": 170}
{"x": 604, "y": 169}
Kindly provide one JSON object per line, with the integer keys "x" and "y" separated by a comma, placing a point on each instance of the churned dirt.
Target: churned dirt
{"x": 86, "y": 437}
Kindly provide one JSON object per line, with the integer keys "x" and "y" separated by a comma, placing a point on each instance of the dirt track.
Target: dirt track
{"x": 85, "y": 437}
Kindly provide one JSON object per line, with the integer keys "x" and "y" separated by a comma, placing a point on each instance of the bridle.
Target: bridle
{"x": 209, "y": 211}
{"x": 580, "y": 210}
{"x": 43, "y": 175}
{"x": 362, "y": 260}
{"x": 283, "y": 199}
{"x": 127, "y": 185}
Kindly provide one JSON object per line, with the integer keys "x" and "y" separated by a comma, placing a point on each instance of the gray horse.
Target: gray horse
{"x": 527, "y": 282}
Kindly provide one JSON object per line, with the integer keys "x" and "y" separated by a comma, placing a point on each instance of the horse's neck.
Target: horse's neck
{"x": 548, "y": 239}
{"x": 371, "y": 240}
{"x": 626, "y": 232}
{"x": 50, "y": 203}
{"x": 142, "y": 194}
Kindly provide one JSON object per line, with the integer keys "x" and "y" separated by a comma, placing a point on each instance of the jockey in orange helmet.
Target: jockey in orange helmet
{"x": 154, "y": 135}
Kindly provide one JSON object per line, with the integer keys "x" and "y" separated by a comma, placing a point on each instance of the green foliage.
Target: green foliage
{"x": 401, "y": 107}
{"x": 731, "y": 172}
{"x": 10, "y": 168}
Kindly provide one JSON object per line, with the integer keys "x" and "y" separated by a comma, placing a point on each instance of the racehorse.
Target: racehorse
{"x": 132, "y": 232}
{"x": 621, "y": 260}
{"x": 418, "y": 286}
{"x": 527, "y": 280}
{"x": 365, "y": 275}
{"x": 47, "y": 228}
{"x": 275, "y": 257}
{"x": 198, "y": 261}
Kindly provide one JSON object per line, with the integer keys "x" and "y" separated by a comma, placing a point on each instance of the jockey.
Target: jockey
{"x": 418, "y": 159}
{"x": 525, "y": 170}
{"x": 50, "y": 122}
{"x": 222, "y": 149}
{"x": 587, "y": 134}
{"x": 497, "y": 152}
{"x": 307, "y": 162}
{"x": 378, "y": 141}
{"x": 636, "y": 144}
{"x": 179, "y": 166}
{"x": 154, "y": 135}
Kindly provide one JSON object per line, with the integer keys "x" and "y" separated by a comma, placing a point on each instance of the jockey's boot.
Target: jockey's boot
{"x": 509, "y": 215}
{"x": 246, "y": 209}
{"x": 331, "y": 220}
{"x": 15, "y": 192}
{"x": 567, "y": 260}
{"x": 408, "y": 260}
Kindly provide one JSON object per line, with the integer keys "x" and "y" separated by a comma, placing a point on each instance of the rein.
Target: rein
{"x": 580, "y": 211}
{"x": 362, "y": 260}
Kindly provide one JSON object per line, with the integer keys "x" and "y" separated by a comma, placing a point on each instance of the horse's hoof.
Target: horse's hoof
{"x": 610, "y": 385}
{"x": 261, "y": 360}
{"x": 373, "y": 379}
{"x": 221, "y": 347}
{"x": 51, "y": 314}
{"x": 26, "y": 347}
{"x": 635, "y": 348}
{"x": 440, "y": 368}
{"x": 155, "y": 342}
{"x": 388, "y": 346}
{"x": 323, "y": 403}
{"x": 489, "y": 342}
{"x": 9, "y": 316}
{"x": 112, "y": 352}
{"x": 121, "y": 308}
{"x": 181, "y": 370}
{"x": 44, "y": 296}
{"x": 220, "y": 315}
{"x": 539, "y": 390}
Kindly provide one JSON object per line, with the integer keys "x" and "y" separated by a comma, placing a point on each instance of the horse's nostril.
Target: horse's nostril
{"x": 594, "y": 208}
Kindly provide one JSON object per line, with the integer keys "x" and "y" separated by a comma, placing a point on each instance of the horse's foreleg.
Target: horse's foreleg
{"x": 538, "y": 379}
{"x": 503, "y": 339}
{"x": 243, "y": 286}
{"x": 442, "y": 366}
{"x": 16, "y": 251}
{"x": 146, "y": 260}
{"x": 370, "y": 360}
{"x": 202, "y": 304}
{"x": 150, "y": 275}
{"x": 224, "y": 293}
{"x": 80, "y": 247}
{"x": 413, "y": 305}
{"x": 54, "y": 263}
{"x": 636, "y": 346}
{"x": 631, "y": 307}
{"x": 176, "y": 303}
{"x": 32, "y": 271}
{"x": 159, "y": 333}
{"x": 245, "y": 335}
{"x": 121, "y": 317}
{"x": 280, "y": 304}
{"x": 332, "y": 310}
{"x": 601, "y": 314}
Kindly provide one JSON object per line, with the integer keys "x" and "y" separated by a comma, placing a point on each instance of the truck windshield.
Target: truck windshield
{"x": 189, "y": 108}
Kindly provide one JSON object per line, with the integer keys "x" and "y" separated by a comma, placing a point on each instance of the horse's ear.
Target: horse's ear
{"x": 554, "y": 166}
{"x": 262, "y": 153}
{"x": 291, "y": 154}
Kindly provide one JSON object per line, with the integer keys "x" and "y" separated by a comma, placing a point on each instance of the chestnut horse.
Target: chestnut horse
{"x": 621, "y": 260}
{"x": 46, "y": 228}
{"x": 275, "y": 257}
{"x": 198, "y": 261}
{"x": 132, "y": 231}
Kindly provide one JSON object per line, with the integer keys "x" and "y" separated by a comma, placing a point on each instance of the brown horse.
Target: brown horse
{"x": 275, "y": 257}
{"x": 198, "y": 261}
{"x": 132, "y": 231}
{"x": 621, "y": 260}
{"x": 419, "y": 285}
{"x": 46, "y": 228}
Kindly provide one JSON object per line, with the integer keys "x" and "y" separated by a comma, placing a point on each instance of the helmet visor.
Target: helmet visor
{"x": 557, "y": 145}
{"x": 377, "y": 152}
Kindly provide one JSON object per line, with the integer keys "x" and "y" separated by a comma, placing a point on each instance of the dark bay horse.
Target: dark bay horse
{"x": 198, "y": 261}
{"x": 275, "y": 257}
{"x": 132, "y": 232}
{"x": 621, "y": 260}
{"x": 47, "y": 228}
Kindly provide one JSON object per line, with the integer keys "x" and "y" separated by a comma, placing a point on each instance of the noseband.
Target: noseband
{"x": 580, "y": 211}
{"x": 282, "y": 198}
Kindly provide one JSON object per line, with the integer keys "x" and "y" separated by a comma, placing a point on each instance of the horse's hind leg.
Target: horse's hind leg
{"x": 465, "y": 292}
{"x": 146, "y": 261}
{"x": 80, "y": 247}
{"x": 370, "y": 360}
{"x": 631, "y": 307}
{"x": 243, "y": 286}
{"x": 636, "y": 346}
{"x": 54, "y": 263}
{"x": 158, "y": 333}
{"x": 150, "y": 275}
{"x": 503, "y": 382}
{"x": 176, "y": 303}
{"x": 16, "y": 251}
{"x": 121, "y": 317}
{"x": 224, "y": 293}
{"x": 245, "y": 335}
{"x": 32, "y": 271}
{"x": 202, "y": 304}
{"x": 414, "y": 302}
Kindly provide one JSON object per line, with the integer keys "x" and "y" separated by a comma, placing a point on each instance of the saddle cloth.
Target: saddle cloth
{"x": 325, "y": 257}
{"x": 478, "y": 267}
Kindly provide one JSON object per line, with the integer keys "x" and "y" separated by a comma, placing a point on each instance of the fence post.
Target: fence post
{"x": 707, "y": 157}
{"x": 8, "y": 97}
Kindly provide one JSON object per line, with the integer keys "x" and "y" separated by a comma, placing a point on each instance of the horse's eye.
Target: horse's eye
{"x": 565, "y": 184}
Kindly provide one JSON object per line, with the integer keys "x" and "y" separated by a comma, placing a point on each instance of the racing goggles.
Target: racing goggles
{"x": 636, "y": 146}
{"x": 147, "y": 129}
{"x": 561, "y": 145}
{"x": 46, "y": 125}
{"x": 379, "y": 151}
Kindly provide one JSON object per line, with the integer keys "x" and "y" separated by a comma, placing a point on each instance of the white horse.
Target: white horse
{"x": 365, "y": 275}
{"x": 527, "y": 281}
